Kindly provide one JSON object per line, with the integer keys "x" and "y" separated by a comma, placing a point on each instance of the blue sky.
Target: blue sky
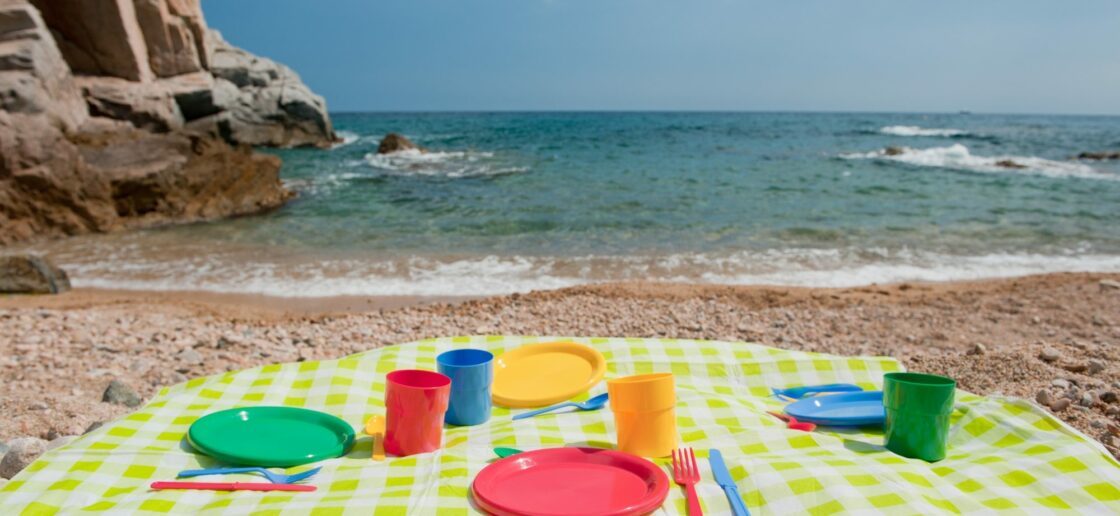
{"x": 1022, "y": 56}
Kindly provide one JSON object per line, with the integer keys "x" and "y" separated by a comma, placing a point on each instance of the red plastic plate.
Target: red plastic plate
{"x": 570, "y": 481}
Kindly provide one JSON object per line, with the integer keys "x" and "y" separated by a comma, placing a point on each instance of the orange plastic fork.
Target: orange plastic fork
{"x": 687, "y": 474}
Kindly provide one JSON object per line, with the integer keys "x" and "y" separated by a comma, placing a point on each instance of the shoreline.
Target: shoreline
{"x": 230, "y": 304}
{"x": 993, "y": 336}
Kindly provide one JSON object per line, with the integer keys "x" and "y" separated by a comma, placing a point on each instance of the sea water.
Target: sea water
{"x": 505, "y": 202}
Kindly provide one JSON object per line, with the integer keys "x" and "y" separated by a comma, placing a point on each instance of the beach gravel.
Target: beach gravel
{"x": 95, "y": 338}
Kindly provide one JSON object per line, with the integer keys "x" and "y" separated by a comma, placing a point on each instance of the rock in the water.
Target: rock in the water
{"x": 893, "y": 151}
{"x": 1060, "y": 383}
{"x": 1060, "y": 405}
{"x": 1006, "y": 163}
{"x": 1099, "y": 155}
{"x": 1095, "y": 366}
{"x": 29, "y": 274}
{"x": 120, "y": 393}
{"x": 21, "y": 453}
{"x": 1044, "y": 398}
{"x": 61, "y": 441}
{"x": 394, "y": 142}
{"x": 1049, "y": 355}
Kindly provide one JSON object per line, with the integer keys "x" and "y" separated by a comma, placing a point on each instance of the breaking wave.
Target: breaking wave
{"x": 318, "y": 276}
{"x": 913, "y": 130}
{"x": 452, "y": 164}
{"x": 958, "y": 157}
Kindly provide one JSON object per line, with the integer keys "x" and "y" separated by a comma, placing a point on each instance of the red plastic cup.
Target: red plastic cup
{"x": 415, "y": 404}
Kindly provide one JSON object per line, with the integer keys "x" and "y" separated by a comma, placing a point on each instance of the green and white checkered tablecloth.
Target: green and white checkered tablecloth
{"x": 1004, "y": 454}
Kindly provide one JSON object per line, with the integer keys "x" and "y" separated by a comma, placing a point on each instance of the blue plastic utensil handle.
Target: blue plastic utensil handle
{"x": 217, "y": 471}
{"x": 543, "y": 410}
{"x": 805, "y": 390}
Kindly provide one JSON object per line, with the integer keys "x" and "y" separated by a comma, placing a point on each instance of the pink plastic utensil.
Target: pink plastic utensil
{"x": 793, "y": 424}
{"x": 686, "y": 474}
{"x": 233, "y": 486}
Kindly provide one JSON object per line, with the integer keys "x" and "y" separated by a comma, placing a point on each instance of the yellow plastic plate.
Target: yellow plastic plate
{"x": 542, "y": 374}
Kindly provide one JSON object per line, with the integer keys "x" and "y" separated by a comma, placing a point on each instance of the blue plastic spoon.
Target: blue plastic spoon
{"x": 595, "y": 403}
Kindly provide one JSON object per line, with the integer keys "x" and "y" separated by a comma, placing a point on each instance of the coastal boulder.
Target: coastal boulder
{"x": 29, "y": 274}
{"x": 394, "y": 142}
{"x": 893, "y": 151}
{"x": 99, "y": 37}
{"x": 273, "y": 106}
{"x": 34, "y": 78}
{"x": 146, "y": 106}
{"x": 21, "y": 453}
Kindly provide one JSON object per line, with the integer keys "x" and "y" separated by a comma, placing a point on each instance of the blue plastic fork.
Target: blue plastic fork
{"x": 805, "y": 390}
{"x": 275, "y": 478}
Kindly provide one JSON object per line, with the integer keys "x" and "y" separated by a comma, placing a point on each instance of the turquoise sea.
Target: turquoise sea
{"x": 509, "y": 202}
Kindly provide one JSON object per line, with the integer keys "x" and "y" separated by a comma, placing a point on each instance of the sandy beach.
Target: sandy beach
{"x": 1055, "y": 334}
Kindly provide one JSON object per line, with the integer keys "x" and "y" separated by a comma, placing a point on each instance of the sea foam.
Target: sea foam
{"x": 958, "y": 157}
{"x": 913, "y": 130}
{"x": 309, "y": 276}
{"x": 452, "y": 164}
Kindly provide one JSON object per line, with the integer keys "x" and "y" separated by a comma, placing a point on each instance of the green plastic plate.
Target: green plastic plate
{"x": 271, "y": 436}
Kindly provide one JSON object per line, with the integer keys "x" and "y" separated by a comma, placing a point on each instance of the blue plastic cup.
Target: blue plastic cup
{"x": 471, "y": 372}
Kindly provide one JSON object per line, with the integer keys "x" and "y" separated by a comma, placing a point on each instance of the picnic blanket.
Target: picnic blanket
{"x": 1004, "y": 454}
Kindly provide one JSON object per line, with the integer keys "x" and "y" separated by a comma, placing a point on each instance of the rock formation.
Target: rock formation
{"x": 394, "y": 142}
{"x": 128, "y": 113}
{"x": 27, "y": 274}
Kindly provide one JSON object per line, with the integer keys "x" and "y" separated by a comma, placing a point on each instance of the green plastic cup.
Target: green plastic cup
{"x": 918, "y": 408}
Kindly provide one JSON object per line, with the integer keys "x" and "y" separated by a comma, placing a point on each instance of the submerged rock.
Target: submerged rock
{"x": 394, "y": 142}
{"x": 893, "y": 151}
{"x": 29, "y": 274}
{"x": 1006, "y": 163}
{"x": 1100, "y": 156}
{"x": 21, "y": 453}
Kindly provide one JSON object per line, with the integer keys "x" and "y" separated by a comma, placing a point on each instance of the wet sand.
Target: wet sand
{"x": 1054, "y": 333}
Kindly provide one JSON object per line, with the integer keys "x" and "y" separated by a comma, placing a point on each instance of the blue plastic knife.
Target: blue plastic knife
{"x": 723, "y": 478}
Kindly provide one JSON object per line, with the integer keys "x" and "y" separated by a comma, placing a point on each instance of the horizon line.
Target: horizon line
{"x": 708, "y": 111}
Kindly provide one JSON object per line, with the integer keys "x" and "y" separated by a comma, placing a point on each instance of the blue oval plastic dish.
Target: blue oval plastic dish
{"x": 849, "y": 409}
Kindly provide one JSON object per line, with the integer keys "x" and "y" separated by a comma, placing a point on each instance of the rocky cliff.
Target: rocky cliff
{"x": 127, "y": 113}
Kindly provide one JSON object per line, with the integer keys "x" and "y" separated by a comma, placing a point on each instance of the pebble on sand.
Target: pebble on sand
{"x": 1060, "y": 383}
{"x": 1096, "y": 366}
{"x": 1060, "y": 405}
{"x": 120, "y": 393}
{"x": 22, "y": 452}
{"x": 1049, "y": 355}
{"x": 1044, "y": 398}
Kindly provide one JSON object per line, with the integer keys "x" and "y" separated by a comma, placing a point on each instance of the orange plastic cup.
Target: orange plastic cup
{"x": 645, "y": 417}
